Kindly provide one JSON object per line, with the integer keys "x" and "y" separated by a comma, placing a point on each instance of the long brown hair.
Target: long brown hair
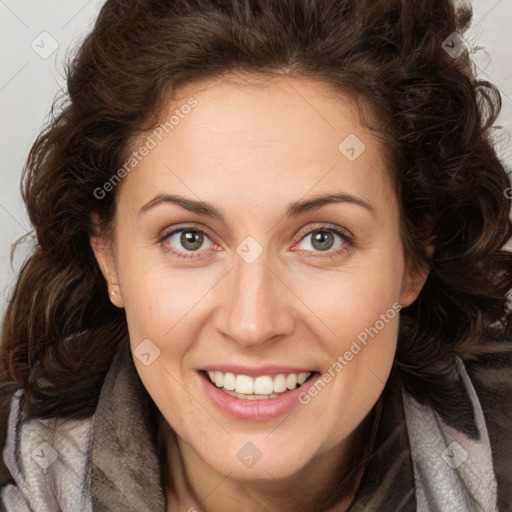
{"x": 60, "y": 330}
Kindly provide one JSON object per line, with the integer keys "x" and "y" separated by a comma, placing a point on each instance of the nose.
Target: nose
{"x": 256, "y": 305}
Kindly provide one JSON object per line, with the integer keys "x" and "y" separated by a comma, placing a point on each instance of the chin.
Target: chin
{"x": 254, "y": 460}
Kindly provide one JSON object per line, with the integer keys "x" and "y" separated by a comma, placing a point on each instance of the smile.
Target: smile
{"x": 256, "y": 398}
{"x": 257, "y": 388}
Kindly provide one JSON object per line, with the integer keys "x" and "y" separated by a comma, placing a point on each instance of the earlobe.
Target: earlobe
{"x": 414, "y": 281}
{"x": 102, "y": 249}
{"x": 412, "y": 287}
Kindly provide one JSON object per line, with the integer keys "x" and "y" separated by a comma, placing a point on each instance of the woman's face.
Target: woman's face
{"x": 264, "y": 281}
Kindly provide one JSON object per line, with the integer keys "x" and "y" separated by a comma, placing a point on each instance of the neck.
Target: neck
{"x": 191, "y": 484}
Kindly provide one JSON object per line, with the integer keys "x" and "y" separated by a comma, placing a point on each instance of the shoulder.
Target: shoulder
{"x": 5, "y": 404}
{"x": 491, "y": 375}
{"x": 461, "y": 447}
{"x": 44, "y": 464}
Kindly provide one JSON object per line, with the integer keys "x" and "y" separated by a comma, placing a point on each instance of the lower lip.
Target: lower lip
{"x": 255, "y": 410}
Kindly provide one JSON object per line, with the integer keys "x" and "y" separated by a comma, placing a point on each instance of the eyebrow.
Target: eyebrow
{"x": 293, "y": 210}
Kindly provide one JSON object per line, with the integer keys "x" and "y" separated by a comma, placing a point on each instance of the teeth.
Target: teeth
{"x": 251, "y": 397}
{"x": 291, "y": 381}
{"x": 229, "y": 381}
{"x": 219, "y": 379}
{"x": 280, "y": 383}
{"x": 263, "y": 386}
{"x": 244, "y": 384}
{"x": 303, "y": 377}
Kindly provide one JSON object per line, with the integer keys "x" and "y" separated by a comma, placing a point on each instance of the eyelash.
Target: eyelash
{"x": 346, "y": 245}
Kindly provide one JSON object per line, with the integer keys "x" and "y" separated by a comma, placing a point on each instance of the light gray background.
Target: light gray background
{"x": 30, "y": 78}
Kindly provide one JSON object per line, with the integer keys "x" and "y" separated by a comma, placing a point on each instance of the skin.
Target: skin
{"x": 274, "y": 142}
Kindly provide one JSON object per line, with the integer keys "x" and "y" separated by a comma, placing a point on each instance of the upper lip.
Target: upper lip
{"x": 255, "y": 372}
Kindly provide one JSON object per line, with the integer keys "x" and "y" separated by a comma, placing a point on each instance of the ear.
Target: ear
{"x": 103, "y": 251}
{"x": 414, "y": 280}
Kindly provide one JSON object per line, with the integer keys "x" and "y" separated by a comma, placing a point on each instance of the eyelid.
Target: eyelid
{"x": 348, "y": 241}
{"x": 167, "y": 232}
{"x": 324, "y": 226}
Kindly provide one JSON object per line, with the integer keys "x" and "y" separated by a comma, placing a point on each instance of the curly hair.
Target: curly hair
{"x": 60, "y": 330}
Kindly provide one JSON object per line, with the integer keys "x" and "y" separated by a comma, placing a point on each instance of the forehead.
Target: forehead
{"x": 268, "y": 137}
{"x": 270, "y": 111}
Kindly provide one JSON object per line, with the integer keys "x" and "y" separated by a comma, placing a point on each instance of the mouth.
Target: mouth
{"x": 262, "y": 387}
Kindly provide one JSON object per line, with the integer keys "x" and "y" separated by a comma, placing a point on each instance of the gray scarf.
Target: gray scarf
{"x": 108, "y": 462}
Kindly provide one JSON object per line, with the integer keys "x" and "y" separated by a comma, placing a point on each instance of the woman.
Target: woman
{"x": 270, "y": 272}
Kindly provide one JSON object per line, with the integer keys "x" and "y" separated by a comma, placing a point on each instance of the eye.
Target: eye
{"x": 326, "y": 239}
{"x": 190, "y": 242}
{"x": 184, "y": 242}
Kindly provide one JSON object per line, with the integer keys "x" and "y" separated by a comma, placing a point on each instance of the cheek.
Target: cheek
{"x": 356, "y": 318}
{"x": 161, "y": 307}
{"x": 352, "y": 299}
{"x": 159, "y": 299}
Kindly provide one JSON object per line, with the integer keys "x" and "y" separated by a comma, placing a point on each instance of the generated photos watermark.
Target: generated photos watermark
{"x": 355, "y": 347}
{"x": 150, "y": 143}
